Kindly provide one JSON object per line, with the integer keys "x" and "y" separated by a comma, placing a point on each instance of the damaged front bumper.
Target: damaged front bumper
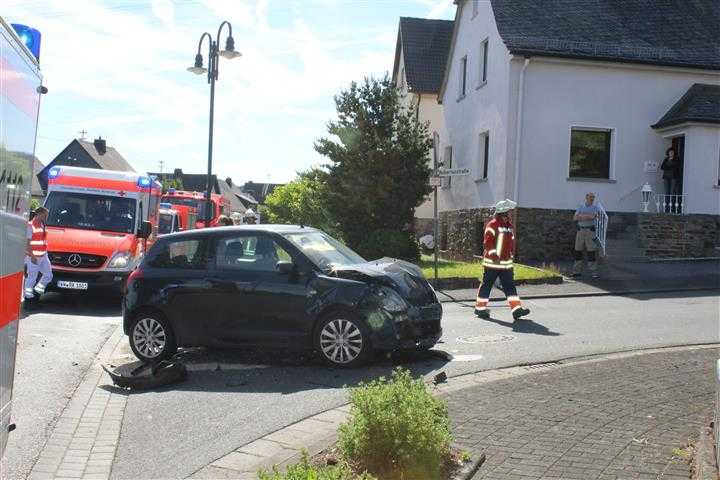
{"x": 417, "y": 328}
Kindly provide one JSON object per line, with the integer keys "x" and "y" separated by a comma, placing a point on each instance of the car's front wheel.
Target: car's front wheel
{"x": 152, "y": 338}
{"x": 343, "y": 341}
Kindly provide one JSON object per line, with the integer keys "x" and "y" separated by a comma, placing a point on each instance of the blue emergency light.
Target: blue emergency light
{"x": 144, "y": 182}
{"x": 166, "y": 206}
{"x": 171, "y": 191}
{"x": 54, "y": 172}
{"x": 30, "y": 37}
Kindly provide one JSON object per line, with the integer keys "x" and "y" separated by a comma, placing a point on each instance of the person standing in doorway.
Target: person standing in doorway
{"x": 671, "y": 172}
{"x": 36, "y": 258}
{"x": 586, "y": 236}
{"x": 498, "y": 254}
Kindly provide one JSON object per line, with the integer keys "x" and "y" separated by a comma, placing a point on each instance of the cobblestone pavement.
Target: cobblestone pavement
{"x": 606, "y": 419}
{"x": 83, "y": 442}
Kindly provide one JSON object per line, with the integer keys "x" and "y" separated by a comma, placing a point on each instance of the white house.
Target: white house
{"x": 545, "y": 101}
{"x": 420, "y": 58}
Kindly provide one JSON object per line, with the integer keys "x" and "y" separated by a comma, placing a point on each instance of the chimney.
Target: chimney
{"x": 228, "y": 180}
{"x": 100, "y": 145}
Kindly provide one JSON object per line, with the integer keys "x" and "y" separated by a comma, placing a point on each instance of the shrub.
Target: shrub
{"x": 306, "y": 471}
{"x": 390, "y": 243}
{"x": 397, "y": 429}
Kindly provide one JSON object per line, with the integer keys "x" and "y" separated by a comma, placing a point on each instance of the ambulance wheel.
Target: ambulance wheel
{"x": 152, "y": 338}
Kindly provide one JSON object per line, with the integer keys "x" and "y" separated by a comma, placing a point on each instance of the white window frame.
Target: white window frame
{"x": 447, "y": 163}
{"x": 613, "y": 148}
{"x": 483, "y": 157}
{"x": 483, "y": 62}
{"x": 462, "y": 80}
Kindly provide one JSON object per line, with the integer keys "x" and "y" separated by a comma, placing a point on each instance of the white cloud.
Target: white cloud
{"x": 120, "y": 73}
{"x": 440, "y": 9}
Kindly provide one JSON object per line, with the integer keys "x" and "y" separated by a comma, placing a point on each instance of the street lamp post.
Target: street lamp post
{"x": 212, "y": 74}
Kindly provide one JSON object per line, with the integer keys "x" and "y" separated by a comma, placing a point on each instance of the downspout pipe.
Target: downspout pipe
{"x": 518, "y": 130}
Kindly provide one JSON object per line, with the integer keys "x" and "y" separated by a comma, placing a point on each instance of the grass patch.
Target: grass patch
{"x": 306, "y": 470}
{"x": 456, "y": 269}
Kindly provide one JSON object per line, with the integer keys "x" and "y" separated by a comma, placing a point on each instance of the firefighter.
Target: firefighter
{"x": 37, "y": 260}
{"x": 498, "y": 253}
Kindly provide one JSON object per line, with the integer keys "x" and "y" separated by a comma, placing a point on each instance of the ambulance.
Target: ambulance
{"x": 100, "y": 223}
{"x": 196, "y": 200}
{"x": 20, "y": 89}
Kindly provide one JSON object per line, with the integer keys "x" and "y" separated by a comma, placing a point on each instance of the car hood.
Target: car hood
{"x": 406, "y": 278}
{"x": 93, "y": 242}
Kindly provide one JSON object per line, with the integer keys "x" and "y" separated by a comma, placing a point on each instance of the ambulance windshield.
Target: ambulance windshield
{"x": 91, "y": 212}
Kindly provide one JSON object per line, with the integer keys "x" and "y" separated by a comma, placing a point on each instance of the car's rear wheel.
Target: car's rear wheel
{"x": 152, "y": 338}
{"x": 343, "y": 341}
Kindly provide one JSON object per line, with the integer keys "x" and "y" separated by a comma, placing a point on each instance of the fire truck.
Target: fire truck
{"x": 176, "y": 218}
{"x": 20, "y": 89}
{"x": 100, "y": 223}
{"x": 220, "y": 205}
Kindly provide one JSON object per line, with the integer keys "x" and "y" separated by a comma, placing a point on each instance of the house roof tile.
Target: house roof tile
{"x": 659, "y": 32}
{"x": 425, "y": 44}
{"x": 701, "y": 103}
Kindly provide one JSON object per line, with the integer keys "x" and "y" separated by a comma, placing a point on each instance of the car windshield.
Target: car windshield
{"x": 91, "y": 212}
{"x": 165, "y": 225}
{"x": 326, "y": 252}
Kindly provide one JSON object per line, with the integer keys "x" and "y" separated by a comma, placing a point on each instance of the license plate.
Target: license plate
{"x": 72, "y": 285}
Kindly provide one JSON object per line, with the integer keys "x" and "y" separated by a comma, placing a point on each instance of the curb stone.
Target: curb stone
{"x": 283, "y": 447}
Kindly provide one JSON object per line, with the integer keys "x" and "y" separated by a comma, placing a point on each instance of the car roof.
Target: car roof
{"x": 265, "y": 228}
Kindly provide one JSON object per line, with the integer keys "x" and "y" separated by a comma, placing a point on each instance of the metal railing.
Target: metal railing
{"x": 601, "y": 223}
{"x": 672, "y": 204}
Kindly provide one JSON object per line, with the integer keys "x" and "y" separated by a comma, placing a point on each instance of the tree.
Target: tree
{"x": 379, "y": 171}
{"x": 168, "y": 183}
{"x": 301, "y": 202}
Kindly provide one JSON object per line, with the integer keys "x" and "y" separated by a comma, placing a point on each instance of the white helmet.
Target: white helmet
{"x": 504, "y": 206}
{"x": 249, "y": 213}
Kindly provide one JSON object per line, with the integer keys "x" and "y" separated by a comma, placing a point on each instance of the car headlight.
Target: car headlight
{"x": 391, "y": 300}
{"x": 121, "y": 261}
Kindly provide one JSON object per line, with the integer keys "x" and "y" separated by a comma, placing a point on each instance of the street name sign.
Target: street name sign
{"x": 453, "y": 172}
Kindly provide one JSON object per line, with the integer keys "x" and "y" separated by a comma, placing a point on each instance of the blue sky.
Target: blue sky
{"x": 117, "y": 69}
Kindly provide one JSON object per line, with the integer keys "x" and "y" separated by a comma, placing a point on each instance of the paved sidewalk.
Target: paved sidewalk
{"x": 84, "y": 439}
{"x": 601, "y": 419}
{"x": 630, "y": 278}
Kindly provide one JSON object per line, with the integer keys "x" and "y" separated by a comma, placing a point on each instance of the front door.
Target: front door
{"x": 254, "y": 302}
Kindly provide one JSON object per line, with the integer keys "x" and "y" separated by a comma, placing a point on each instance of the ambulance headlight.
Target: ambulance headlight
{"x": 120, "y": 261}
{"x": 54, "y": 172}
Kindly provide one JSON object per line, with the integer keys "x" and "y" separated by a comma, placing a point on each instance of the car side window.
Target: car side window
{"x": 183, "y": 254}
{"x": 255, "y": 253}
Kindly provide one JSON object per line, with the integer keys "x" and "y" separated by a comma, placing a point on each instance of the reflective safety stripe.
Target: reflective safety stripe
{"x": 513, "y": 298}
{"x": 497, "y": 266}
{"x": 515, "y": 308}
{"x": 492, "y": 252}
{"x": 499, "y": 244}
{"x": 490, "y": 230}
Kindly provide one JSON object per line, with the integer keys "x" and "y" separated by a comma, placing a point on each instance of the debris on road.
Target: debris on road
{"x": 141, "y": 376}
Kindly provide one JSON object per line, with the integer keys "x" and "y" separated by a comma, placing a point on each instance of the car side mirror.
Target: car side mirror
{"x": 145, "y": 229}
{"x": 285, "y": 267}
{"x": 206, "y": 211}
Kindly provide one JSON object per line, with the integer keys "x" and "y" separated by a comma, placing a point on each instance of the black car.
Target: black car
{"x": 279, "y": 286}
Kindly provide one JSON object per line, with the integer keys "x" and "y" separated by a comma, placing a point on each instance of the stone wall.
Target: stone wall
{"x": 543, "y": 235}
{"x": 679, "y": 236}
{"x": 548, "y": 235}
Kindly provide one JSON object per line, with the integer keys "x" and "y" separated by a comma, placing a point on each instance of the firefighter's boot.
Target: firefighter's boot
{"x": 483, "y": 313}
{"x": 520, "y": 312}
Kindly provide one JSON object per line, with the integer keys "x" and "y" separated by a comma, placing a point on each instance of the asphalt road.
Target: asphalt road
{"x": 56, "y": 345}
{"x": 172, "y": 432}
